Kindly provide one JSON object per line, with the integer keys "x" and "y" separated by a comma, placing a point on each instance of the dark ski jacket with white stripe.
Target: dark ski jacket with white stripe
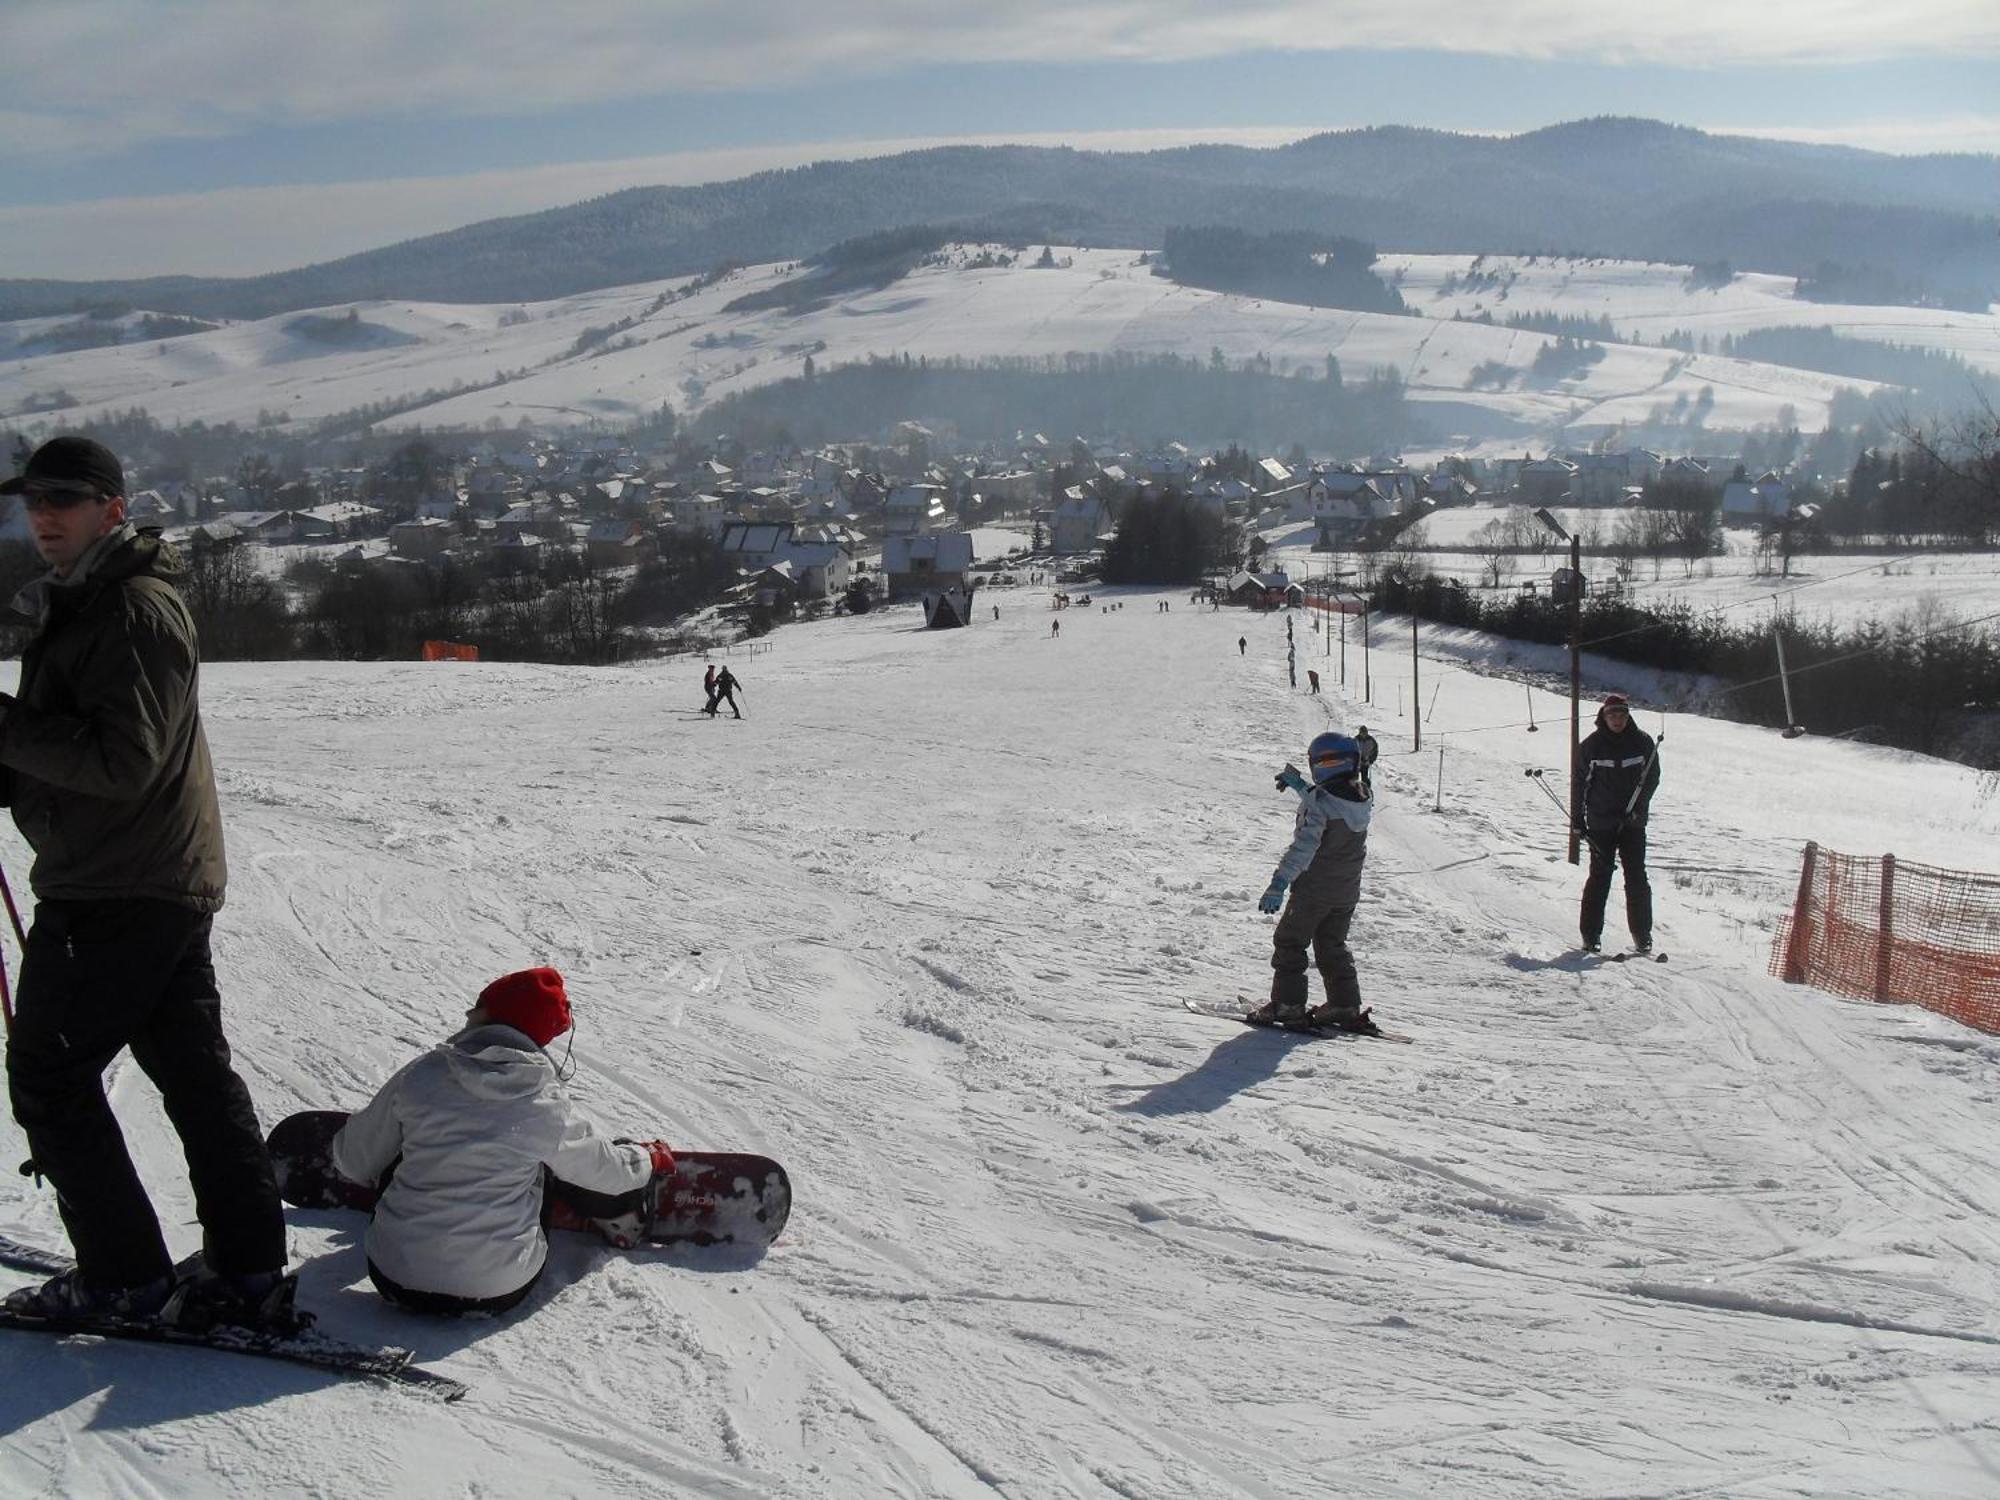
{"x": 1610, "y": 767}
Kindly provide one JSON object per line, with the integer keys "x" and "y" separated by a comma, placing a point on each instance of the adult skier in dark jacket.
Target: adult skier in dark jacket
{"x": 105, "y": 765}
{"x": 1617, "y": 771}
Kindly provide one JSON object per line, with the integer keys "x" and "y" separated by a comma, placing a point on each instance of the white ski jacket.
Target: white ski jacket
{"x": 1330, "y": 838}
{"x": 475, "y": 1120}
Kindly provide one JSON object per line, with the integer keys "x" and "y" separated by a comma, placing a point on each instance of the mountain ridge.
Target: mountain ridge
{"x": 1612, "y": 185}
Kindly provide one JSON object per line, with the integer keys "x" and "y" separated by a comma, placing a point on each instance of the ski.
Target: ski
{"x": 313, "y": 1350}
{"x": 1241, "y": 1012}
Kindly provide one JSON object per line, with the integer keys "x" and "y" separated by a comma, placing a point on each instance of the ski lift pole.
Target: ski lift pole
{"x": 1792, "y": 729}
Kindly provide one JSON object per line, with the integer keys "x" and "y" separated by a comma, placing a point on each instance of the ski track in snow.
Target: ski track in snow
{"x": 919, "y": 926}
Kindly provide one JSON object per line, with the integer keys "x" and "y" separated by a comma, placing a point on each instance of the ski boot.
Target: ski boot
{"x": 1273, "y": 1013}
{"x": 262, "y": 1301}
{"x": 69, "y": 1298}
{"x": 1343, "y": 1018}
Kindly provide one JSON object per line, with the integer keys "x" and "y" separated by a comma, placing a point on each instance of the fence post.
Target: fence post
{"x": 1798, "y": 948}
{"x": 1885, "y": 936}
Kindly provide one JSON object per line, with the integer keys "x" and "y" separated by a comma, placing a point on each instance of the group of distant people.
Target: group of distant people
{"x": 721, "y": 687}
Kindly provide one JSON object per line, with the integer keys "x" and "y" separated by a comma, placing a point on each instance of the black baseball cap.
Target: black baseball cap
{"x": 73, "y": 465}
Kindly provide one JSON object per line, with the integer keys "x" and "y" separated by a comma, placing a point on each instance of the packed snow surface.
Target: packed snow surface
{"x": 919, "y": 926}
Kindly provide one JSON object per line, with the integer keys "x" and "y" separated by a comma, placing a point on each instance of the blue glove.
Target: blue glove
{"x": 1290, "y": 777}
{"x": 1274, "y": 895}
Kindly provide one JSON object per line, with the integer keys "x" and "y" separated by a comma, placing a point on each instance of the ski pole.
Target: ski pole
{"x": 6, "y": 991}
{"x": 1547, "y": 791}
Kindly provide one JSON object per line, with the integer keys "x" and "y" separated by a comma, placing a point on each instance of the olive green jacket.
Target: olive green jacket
{"x": 105, "y": 763}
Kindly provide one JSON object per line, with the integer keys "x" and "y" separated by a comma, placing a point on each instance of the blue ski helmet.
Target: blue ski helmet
{"x": 1332, "y": 756}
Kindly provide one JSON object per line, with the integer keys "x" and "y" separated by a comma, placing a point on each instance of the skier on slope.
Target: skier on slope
{"x": 1322, "y": 869}
{"x": 1370, "y": 750}
{"x": 471, "y": 1136}
{"x": 723, "y": 690}
{"x": 1618, "y": 769}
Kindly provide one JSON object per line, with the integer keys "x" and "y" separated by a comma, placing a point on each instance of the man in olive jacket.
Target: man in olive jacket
{"x": 106, "y": 769}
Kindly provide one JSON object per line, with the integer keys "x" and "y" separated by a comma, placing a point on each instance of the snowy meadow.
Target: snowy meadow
{"x": 920, "y": 926}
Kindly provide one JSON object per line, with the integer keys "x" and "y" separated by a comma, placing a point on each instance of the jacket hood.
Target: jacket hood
{"x": 497, "y": 1062}
{"x": 1354, "y": 814}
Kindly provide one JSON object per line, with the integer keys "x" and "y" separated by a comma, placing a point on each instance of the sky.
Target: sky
{"x": 232, "y": 137}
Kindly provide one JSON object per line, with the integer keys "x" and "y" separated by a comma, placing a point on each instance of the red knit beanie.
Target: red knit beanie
{"x": 532, "y": 1001}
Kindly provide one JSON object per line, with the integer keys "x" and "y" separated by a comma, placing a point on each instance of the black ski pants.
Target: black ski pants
{"x": 1610, "y": 848}
{"x": 98, "y": 977}
{"x": 1313, "y": 919}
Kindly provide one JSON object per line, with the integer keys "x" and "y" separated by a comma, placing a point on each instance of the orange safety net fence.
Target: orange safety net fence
{"x": 449, "y": 651}
{"x": 1880, "y": 928}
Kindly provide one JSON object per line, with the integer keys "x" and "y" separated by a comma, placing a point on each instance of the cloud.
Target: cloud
{"x": 199, "y": 69}
{"x": 248, "y": 231}
{"x": 1977, "y": 134}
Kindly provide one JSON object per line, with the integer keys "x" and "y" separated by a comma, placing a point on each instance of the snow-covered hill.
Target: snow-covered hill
{"x": 617, "y": 355}
{"x": 919, "y": 926}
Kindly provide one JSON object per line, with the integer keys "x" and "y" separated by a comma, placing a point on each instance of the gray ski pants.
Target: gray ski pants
{"x": 1319, "y": 920}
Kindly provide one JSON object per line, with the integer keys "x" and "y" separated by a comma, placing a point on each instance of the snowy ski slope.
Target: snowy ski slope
{"x": 919, "y": 926}
{"x": 525, "y": 364}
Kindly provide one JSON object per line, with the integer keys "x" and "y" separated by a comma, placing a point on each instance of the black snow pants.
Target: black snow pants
{"x": 1609, "y": 848}
{"x": 1313, "y": 918}
{"x": 98, "y": 977}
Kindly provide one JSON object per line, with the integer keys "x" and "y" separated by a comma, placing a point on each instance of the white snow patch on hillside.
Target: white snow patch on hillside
{"x": 679, "y": 347}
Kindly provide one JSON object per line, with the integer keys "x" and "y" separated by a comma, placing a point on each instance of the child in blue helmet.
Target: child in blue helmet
{"x": 1322, "y": 870}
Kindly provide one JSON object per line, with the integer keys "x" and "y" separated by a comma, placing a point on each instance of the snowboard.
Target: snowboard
{"x": 314, "y": 1350}
{"x": 1240, "y": 1011}
{"x": 716, "y": 1197}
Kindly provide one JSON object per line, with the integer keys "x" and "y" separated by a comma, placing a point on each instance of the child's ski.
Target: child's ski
{"x": 1241, "y": 1012}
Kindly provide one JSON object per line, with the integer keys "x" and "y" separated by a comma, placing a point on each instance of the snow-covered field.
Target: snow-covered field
{"x": 919, "y": 926}
{"x": 1646, "y": 301}
{"x": 688, "y": 351}
{"x": 1841, "y": 588}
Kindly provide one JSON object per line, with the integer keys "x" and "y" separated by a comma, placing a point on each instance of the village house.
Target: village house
{"x": 1748, "y": 502}
{"x": 614, "y": 543}
{"x": 1079, "y": 522}
{"x": 818, "y": 562}
{"x": 921, "y": 564}
{"x": 420, "y": 540}
{"x": 913, "y": 508}
{"x": 1262, "y": 590}
{"x": 1545, "y": 481}
{"x": 1611, "y": 478}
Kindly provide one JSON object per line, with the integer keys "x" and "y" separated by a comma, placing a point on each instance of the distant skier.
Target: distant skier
{"x": 1313, "y": 678}
{"x": 708, "y": 687}
{"x": 1618, "y": 769}
{"x": 1055, "y": 628}
{"x": 1369, "y": 751}
{"x": 1322, "y": 869}
{"x": 1242, "y": 645}
{"x": 724, "y": 691}
{"x": 470, "y": 1136}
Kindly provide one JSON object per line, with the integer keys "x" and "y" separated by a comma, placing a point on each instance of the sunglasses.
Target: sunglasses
{"x": 57, "y": 499}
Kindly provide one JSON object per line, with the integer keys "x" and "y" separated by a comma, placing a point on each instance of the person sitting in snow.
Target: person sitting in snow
{"x": 468, "y": 1143}
{"x": 1322, "y": 869}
